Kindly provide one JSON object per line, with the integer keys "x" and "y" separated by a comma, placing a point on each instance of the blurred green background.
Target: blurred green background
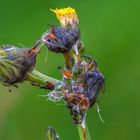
{"x": 111, "y": 34}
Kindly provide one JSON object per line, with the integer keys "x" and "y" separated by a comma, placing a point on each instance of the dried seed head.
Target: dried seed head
{"x": 15, "y": 63}
{"x": 59, "y": 39}
{"x": 94, "y": 83}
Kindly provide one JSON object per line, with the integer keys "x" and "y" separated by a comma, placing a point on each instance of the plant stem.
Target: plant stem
{"x": 40, "y": 79}
{"x": 83, "y": 132}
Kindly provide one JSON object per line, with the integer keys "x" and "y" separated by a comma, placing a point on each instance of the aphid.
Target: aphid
{"x": 78, "y": 104}
{"x": 91, "y": 64}
{"x": 55, "y": 96}
{"x": 10, "y": 90}
{"x": 66, "y": 74}
{"x": 33, "y": 51}
{"x": 48, "y": 85}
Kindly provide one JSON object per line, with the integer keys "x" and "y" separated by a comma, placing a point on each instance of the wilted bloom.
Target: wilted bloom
{"x": 15, "y": 63}
{"x": 94, "y": 83}
{"x": 18, "y": 64}
{"x": 60, "y": 39}
{"x": 67, "y": 17}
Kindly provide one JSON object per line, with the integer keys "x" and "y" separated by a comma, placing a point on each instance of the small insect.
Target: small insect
{"x": 76, "y": 101}
{"x": 78, "y": 104}
{"x": 33, "y": 51}
{"x": 91, "y": 64}
{"x": 66, "y": 73}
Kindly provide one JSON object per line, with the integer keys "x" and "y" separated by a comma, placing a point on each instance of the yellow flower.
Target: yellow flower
{"x": 67, "y": 16}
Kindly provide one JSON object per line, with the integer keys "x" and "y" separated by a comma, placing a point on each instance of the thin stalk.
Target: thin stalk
{"x": 88, "y": 134}
{"x": 83, "y": 132}
{"x": 36, "y": 77}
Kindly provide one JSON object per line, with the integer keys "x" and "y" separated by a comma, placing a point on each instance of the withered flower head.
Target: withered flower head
{"x": 60, "y": 39}
{"x": 15, "y": 63}
{"x": 67, "y": 17}
{"x": 94, "y": 83}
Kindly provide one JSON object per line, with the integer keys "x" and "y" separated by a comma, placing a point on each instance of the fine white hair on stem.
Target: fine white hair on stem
{"x": 99, "y": 114}
{"x": 40, "y": 46}
{"x": 46, "y": 57}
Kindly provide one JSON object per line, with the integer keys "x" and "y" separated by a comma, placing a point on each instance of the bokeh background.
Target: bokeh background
{"x": 111, "y": 34}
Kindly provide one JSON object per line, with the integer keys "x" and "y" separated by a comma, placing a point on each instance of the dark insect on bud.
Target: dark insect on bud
{"x": 94, "y": 83}
{"x": 15, "y": 63}
{"x": 60, "y": 39}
